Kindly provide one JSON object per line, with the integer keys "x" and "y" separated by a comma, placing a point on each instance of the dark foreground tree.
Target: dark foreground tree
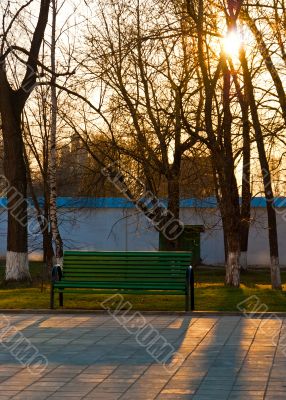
{"x": 12, "y": 101}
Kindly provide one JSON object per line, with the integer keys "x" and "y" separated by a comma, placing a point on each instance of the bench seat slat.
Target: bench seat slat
{"x": 123, "y": 284}
{"x": 72, "y": 253}
{"x": 94, "y": 278}
{"x": 130, "y": 271}
{"x": 125, "y": 291}
{"x": 114, "y": 277}
{"x": 109, "y": 271}
{"x": 121, "y": 262}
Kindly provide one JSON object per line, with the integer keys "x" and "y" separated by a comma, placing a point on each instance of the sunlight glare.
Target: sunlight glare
{"x": 232, "y": 43}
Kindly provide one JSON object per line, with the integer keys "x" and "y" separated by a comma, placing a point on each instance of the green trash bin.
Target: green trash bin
{"x": 189, "y": 240}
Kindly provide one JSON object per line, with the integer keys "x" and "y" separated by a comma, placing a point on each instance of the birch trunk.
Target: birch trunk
{"x": 53, "y": 150}
{"x": 42, "y": 218}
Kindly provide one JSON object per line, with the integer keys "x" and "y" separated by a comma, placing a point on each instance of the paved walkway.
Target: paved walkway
{"x": 94, "y": 357}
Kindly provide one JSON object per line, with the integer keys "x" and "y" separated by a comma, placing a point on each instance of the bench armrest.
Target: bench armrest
{"x": 57, "y": 273}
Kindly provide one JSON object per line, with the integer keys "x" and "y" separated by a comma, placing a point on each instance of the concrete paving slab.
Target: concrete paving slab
{"x": 183, "y": 356}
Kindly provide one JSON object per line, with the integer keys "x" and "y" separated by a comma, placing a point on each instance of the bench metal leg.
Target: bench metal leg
{"x": 61, "y": 299}
{"x": 192, "y": 284}
{"x": 52, "y": 297}
{"x": 190, "y": 295}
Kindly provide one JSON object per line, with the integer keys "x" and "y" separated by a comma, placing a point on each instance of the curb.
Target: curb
{"x": 151, "y": 313}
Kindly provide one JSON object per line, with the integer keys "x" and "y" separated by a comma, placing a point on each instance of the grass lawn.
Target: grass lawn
{"x": 210, "y": 293}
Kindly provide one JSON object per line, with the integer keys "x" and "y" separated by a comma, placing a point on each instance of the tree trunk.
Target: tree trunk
{"x": 232, "y": 277}
{"x": 246, "y": 191}
{"x": 230, "y": 201}
{"x": 42, "y": 218}
{"x": 272, "y": 225}
{"x": 48, "y": 251}
{"x": 229, "y": 208}
{"x": 53, "y": 150}
{"x": 17, "y": 266}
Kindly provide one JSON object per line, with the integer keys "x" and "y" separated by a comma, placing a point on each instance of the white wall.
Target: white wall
{"x": 127, "y": 229}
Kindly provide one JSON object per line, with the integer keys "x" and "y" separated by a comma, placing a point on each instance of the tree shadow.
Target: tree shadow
{"x": 189, "y": 354}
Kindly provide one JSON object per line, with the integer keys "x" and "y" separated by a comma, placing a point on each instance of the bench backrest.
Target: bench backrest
{"x": 152, "y": 267}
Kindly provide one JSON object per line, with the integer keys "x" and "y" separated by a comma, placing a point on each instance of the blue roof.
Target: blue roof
{"x": 115, "y": 202}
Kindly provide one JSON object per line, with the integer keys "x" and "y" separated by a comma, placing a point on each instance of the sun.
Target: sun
{"x": 232, "y": 43}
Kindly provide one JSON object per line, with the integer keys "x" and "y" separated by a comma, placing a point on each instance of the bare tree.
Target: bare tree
{"x": 140, "y": 56}
{"x": 266, "y": 174}
{"x": 217, "y": 121}
{"x": 259, "y": 137}
{"x": 12, "y": 102}
{"x": 276, "y": 23}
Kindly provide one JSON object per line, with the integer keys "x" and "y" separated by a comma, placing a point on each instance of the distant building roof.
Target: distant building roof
{"x": 116, "y": 202}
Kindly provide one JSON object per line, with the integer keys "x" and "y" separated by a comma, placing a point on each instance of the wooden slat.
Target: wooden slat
{"x": 100, "y": 291}
{"x": 123, "y": 285}
{"x": 129, "y": 253}
{"x": 114, "y": 277}
{"x": 115, "y": 265}
{"x": 110, "y": 269}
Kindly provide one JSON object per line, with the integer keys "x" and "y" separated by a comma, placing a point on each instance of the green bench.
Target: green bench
{"x": 133, "y": 272}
